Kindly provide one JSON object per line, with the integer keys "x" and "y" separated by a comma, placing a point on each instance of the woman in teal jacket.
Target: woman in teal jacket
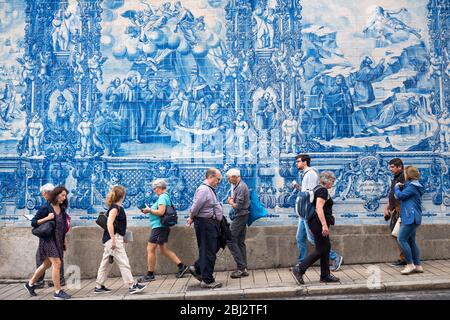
{"x": 411, "y": 217}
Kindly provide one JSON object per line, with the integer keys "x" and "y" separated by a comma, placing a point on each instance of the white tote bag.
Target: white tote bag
{"x": 396, "y": 228}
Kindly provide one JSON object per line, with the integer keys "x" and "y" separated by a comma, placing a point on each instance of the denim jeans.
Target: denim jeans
{"x": 303, "y": 233}
{"x": 407, "y": 240}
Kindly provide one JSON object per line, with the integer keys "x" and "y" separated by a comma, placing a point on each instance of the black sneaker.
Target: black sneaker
{"x": 398, "y": 263}
{"x": 330, "y": 278}
{"x": 102, "y": 289}
{"x": 30, "y": 289}
{"x": 61, "y": 295}
{"x": 298, "y": 275}
{"x": 182, "y": 271}
{"x": 39, "y": 284}
{"x": 147, "y": 278}
{"x": 194, "y": 273}
{"x": 136, "y": 288}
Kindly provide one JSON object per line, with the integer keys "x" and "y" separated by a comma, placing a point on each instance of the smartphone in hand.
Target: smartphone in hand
{"x": 142, "y": 206}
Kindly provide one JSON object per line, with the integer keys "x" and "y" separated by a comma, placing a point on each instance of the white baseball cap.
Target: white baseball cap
{"x": 48, "y": 187}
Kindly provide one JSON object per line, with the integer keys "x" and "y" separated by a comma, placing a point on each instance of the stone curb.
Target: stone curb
{"x": 284, "y": 292}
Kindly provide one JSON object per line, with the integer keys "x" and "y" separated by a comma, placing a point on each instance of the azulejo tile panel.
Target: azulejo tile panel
{"x": 98, "y": 93}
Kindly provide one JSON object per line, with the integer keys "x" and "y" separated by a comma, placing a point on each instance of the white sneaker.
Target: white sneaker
{"x": 410, "y": 268}
{"x": 419, "y": 269}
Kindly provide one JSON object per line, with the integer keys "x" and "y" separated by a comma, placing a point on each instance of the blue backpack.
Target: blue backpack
{"x": 304, "y": 204}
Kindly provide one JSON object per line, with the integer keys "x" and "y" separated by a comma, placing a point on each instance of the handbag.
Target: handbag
{"x": 396, "y": 228}
{"x": 102, "y": 220}
{"x": 45, "y": 230}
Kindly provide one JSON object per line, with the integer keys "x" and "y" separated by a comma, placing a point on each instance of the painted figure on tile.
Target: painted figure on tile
{"x": 265, "y": 116}
{"x": 78, "y": 69}
{"x": 316, "y": 105}
{"x": 279, "y": 59}
{"x": 162, "y": 93}
{"x": 185, "y": 110}
{"x": 231, "y": 66}
{"x": 444, "y": 132}
{"x": 218, "y": 86}
{"x": 62, "y": 104}
{"x": 297, "y": 65}
{"x": 86, "y": 130}
{"x": 240, "y": 132}
{"x": 130, "y": 109}
{"x": 28, "y": 67}
{"x": 264, "y": 18}
{"x": 45, "y": 61}
{"x": 95, "y": 67}
{"x": 61, "y": 33}
{"x": 34, "y": 134}
{"x": 289, "y": 131}
{"x": 367, "y": 74}
{"x": 108, "y": 131}
{"x": 201, "y": 94}
{"x": 384, "y": 23}
{"x": 343, "y": 105}
{"x": 7, "y": 104}
{"x": 397, "y": 112}
{"x": 169, "y": 113}
{"x": 109, "y": 94}
{"x": 63, "y": 113}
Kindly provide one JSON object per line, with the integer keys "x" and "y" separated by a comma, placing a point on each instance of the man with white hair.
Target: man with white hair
{"x": 46, "y": 190}
{"x": 240, "y": 203}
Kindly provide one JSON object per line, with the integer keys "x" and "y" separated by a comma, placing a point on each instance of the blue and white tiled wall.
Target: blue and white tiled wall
{"x": 95, "y": 93}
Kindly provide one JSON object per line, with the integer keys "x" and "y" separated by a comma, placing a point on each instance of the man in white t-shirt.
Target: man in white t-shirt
{"x": 309, "y": 181}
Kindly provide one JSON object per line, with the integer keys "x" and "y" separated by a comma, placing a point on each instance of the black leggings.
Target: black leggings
{"x": 321, "y": 250}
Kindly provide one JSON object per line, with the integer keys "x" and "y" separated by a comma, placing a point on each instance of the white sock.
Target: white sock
{"x": 57, "y": 291}
{"x": 30, "y": 284}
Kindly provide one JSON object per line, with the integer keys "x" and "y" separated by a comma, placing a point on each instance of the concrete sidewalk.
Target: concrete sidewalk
{"x": 261, "y": 284}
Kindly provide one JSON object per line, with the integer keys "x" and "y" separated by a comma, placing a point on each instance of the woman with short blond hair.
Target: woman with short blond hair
{"x": 410, "y": 196}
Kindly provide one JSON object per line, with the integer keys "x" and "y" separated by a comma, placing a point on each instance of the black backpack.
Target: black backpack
{"x": 170, "y": 217}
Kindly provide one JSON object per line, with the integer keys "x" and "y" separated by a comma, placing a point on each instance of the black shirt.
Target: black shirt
{"x": 121, "y": 223}
{"x": 322, "y": 192}
{"x": 400, "y": 177}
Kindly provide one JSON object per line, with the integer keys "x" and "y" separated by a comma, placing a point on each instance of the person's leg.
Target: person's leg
{"x": 414, "y": 248}
{"x": 39, "y": 262}
{"x": 169, "y": 254}
{"x": 241, "y": 242}
{"x": 105, "y": 267}
{"x": 56, "y": 269}
{"x": 323, "y": 247}
{"x": 121, "y": 258}
{"x": 301, "y": 240}
{"x": 151, "y": 256}
{"x": 234, "y": 245}
{"x": 61, "y": 272}
{"x": 403, "y": 239}
{"x": 210, "y": 247}
{"x": 200, "y": 232}
{"x": 40, "y": 271}
{"x": 316, "y": 230}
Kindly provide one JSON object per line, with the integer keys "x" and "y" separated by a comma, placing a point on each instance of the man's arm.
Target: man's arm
{"x": 198, "y": 202}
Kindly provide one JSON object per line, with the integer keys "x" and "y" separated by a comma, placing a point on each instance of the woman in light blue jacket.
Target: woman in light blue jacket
{"x": 411, "y": 217}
